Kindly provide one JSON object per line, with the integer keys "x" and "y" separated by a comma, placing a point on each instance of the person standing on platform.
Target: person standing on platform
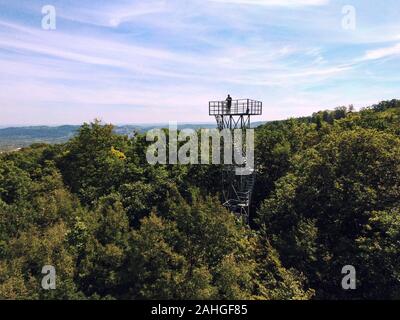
{"x": 228, "y": 104}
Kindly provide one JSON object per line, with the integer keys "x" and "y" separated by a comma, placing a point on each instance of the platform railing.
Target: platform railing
{"x": 237, "y": 107}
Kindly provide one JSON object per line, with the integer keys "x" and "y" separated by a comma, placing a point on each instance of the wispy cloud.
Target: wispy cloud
{"x": 115, "y": 14}
{"x": 168, "y": 58}
{"x": 383, "y": 52}
{"x": 261, "y": 65}
{"x": 280, "y": 3}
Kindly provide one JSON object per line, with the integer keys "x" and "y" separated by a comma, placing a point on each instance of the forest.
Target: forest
{"x": 327, "y": 195}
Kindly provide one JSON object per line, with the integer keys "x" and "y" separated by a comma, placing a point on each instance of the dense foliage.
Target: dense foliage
{"x": 114, "y": 227}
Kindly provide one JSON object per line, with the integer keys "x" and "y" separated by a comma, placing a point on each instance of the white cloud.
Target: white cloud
{"x": 115, "y": 14}
{"x": 261, "y": 64}
{"x": 125, "y": 14}
{"x": 280, "y": 3}
{"x": 382, "y": 53}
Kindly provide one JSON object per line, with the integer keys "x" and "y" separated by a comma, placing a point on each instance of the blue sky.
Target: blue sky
{"x": 156, "y": 61}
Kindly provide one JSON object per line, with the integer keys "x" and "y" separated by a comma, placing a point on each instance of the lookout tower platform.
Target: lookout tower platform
{"x": 235, "y": 115}
{"x": 237, "y": 108}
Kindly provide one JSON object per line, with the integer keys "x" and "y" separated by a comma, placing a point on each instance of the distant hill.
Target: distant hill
{"x": 18, "y": 137}
{"x": 14, "y": 138}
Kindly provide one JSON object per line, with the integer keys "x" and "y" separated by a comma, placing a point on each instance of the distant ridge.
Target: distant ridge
{"x": 12, "y": 138}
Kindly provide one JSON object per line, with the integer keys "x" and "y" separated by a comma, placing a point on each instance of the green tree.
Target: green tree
{"x": 93, "y": 163}
{"x": 321, "y": 209}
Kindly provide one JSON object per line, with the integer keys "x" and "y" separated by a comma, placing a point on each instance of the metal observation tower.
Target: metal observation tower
{"x": 236, "y": 189}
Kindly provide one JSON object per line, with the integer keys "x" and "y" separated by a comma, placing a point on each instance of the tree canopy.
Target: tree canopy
{"x": 327, "y": 195}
